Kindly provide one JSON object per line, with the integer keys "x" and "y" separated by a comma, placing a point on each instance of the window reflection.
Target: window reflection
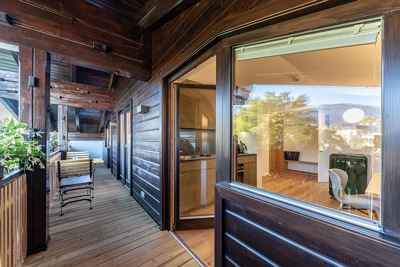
{"x": 307, "y": 124}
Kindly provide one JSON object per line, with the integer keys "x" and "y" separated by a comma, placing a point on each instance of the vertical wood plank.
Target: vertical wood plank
{"x": 25, "y": 99}
{"x": 34, "y": 105}
{"x": 62, "y": 126}
{"x": 391, "y": 125}
{"x": 12, "y": 222}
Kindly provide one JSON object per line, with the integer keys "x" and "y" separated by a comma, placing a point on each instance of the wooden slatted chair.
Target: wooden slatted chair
{"x": 77, "y": 155}
{"x": 75, "y": 175}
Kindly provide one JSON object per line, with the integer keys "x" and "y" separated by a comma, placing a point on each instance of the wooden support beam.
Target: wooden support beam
{"x": 164, "y": 11}
{"x": 34, "y": 103}
{"x": 73, "y": 73}
{"x": 65, "y": 34}
{"x": 86, "y": 136}
{"x": 63, "y": 127}
{"x": 102, "y": 121}
{"x": 80, "y": 95}
{"x": 113, "y": 82}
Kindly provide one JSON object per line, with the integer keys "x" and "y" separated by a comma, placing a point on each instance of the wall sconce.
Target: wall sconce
{"x": 142, "y": 109}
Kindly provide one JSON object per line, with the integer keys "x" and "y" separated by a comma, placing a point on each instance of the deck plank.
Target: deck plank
{"x": 116, "y": 232}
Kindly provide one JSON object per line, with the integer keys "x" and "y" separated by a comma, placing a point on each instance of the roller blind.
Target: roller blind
{"x": 360, "y": 33}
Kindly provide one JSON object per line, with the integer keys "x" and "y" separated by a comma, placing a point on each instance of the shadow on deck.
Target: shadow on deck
{"x": 116, "y": 232}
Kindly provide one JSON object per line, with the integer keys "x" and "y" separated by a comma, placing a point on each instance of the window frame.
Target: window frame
{"x": 374, "y": 225}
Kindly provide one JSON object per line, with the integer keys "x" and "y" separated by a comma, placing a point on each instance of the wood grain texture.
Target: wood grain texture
{"x": 34, "y": 107}
{"x": 13, "y": 222}
{"x": 146, "y": 151}
{"x": 71, "y": 34}
{"x": 260, "y": 231}
{"x": 200, "y": 242}
{"x": 62, "y": 127}
{"x": 391, "y": 126}
{"x": 52, "y": 174}
{"x": 80, "y": 95}
{"x": 116, "y": 232}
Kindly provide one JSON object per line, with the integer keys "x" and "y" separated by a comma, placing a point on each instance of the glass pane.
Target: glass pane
{"x": 128, "y": 146}
{"x": 307, "y": 125}
{"x": 122, "y": 144}
{"x": 197, "y": 167}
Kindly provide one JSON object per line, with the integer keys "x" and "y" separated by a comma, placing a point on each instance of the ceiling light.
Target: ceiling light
{"x": 353, "y": 115}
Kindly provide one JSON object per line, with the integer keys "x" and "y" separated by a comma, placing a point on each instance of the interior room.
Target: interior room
{"x": 307, "y": 106}
{"x": 195, "y": 163}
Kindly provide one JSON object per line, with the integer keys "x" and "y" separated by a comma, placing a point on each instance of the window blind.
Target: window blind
{"x": 360, "y": 33}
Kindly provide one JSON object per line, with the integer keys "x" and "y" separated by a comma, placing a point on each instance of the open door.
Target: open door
{"x": 194, "y": 156}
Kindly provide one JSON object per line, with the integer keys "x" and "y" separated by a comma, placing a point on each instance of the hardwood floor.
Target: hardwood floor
{"x": 203, "y": 211}
{"x": 305, "y": 187}
{"x": 201, "y": 242}
{"x": 116, "y": 232}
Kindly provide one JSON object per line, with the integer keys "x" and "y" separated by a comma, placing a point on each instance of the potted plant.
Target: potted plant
{"x": 16, "y": 150}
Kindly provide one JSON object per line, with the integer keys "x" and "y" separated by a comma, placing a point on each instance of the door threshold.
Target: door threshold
{"x": 194, "y": 255}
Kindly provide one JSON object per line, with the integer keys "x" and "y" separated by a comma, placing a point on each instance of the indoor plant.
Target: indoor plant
{"x": 16, "y": 150}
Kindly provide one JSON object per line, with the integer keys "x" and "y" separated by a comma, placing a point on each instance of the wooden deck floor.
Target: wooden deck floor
{"x": 116, "y": 232}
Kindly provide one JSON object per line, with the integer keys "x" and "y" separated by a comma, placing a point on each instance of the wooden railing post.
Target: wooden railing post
{"x": 34, "y": 103}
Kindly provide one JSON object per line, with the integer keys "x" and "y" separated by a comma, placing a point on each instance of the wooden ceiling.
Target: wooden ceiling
{"x": 92, "y": 43}
{"x": 107, "y": 35}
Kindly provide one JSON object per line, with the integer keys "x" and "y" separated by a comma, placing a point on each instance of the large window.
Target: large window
{"x": 307, "y": 117}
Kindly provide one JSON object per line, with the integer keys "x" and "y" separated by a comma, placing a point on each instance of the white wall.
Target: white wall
{"x": 95, "y": 148}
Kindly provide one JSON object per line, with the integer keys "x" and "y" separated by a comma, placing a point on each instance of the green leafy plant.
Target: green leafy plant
{"x": 16, "y": 150}
{"x": 53, "y": 141}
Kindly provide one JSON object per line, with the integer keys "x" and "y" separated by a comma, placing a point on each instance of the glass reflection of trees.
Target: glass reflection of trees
{"x": 280, "y": 110}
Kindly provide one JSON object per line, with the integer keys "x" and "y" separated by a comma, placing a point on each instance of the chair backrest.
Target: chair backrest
{"x": 77, "y": 155}
{"x": 338, "y": 179}
{"x": 78, "y": 167}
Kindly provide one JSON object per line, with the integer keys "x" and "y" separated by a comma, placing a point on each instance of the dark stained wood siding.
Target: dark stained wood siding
{"x": 114, "y": 150}
{"x": 261, "y": 232}
{"x": 146, "y": 143}
{"x": 255, "y": 230}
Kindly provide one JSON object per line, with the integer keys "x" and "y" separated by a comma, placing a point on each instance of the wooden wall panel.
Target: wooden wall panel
{"x": 13, "y": 222}
{"x": 257, "y": 230}
{"x": 146, "y": 155}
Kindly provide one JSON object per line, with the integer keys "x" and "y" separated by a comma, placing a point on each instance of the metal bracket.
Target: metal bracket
{"x": 5, "y": 19}
{"x": 33, "y": 81}
{"x": 100, "y": 47}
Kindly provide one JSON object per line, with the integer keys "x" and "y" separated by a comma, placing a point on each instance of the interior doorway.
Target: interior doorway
{"x": 125, "y": 147}
{"x": 193, "y": 161}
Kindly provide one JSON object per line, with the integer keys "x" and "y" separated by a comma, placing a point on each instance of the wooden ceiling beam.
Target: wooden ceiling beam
{"x": 85, "y": 136}
{"x": 72, "y": 38}
{"x": 80, "y": 95}
{"x": 164, "y": 11}
{"x": 93, "y": 16}
{"x": 102, "y": 121}
{"x": 73, "y": 73}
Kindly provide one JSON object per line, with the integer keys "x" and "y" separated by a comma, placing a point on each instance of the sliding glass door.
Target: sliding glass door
{"x": 195, "y": 163}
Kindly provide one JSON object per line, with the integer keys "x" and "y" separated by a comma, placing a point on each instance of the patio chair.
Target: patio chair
{"x": 77, "y": 155}
{"x": 339, "y": 180}
{"x": 75, "y": 175}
